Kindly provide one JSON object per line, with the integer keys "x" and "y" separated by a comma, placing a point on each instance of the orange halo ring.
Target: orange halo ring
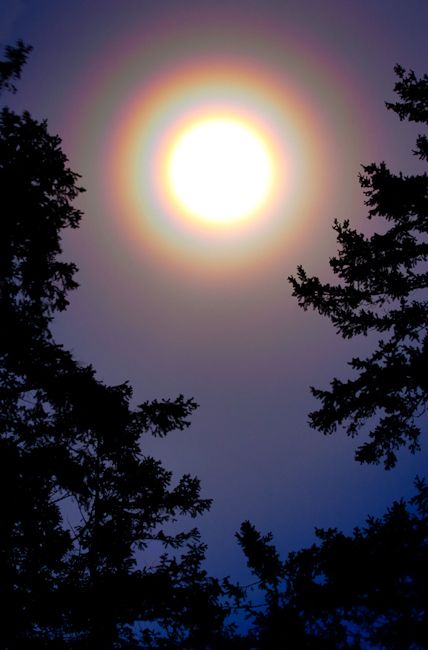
{"x": 150, "y": 118}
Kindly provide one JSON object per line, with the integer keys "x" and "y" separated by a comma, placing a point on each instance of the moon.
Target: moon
{"x": 220, "y": 170}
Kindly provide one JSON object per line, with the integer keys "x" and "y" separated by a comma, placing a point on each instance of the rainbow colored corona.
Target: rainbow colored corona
{"x": 154, "y": 90}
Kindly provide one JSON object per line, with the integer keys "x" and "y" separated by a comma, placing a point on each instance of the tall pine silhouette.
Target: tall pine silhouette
{"x": 367, "y": 589}
{"x": 80, "y": 500}
{"x": 382, "y": 289}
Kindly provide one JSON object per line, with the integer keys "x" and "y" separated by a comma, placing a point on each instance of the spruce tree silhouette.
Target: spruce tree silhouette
{"x": 80, "y": 501}
{"x": 346, "y": 592}
{"x": 368, "y": 589}
{"x": 383, "y": 290}
{"x": 11, "y": 67}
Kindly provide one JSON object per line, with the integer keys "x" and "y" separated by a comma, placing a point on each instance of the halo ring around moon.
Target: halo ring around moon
{"x": 150, "y": 120}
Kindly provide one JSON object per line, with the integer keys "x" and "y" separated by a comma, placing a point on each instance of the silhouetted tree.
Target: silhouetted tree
{"x": 80, "y": 501}
{"x": 384, "y": 279}
{"x": 11, "y": 66}
{"x": 347, "y": 592}
{"x": 370, "y": 589}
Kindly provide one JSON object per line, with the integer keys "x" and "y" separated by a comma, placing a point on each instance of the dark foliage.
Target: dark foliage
{"x": 383, "y": 286}
{"x": 367, "y": 590}
{"x": 11, "y": 66}
{"x": 348, "y": 592}
{"x": 82, "y": 508}
{"x": 262, "y": 558}
{"x": 80, "y": 501}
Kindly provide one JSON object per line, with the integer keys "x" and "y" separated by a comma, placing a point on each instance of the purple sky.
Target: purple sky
{"x": 228, "y": 333}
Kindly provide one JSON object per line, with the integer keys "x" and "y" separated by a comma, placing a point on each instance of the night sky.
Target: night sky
{"x": 180, "y": 305}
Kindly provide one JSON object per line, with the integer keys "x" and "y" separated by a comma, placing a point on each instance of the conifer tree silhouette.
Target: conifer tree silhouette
{"x": 345, "y": 592}
{"x": 383, "y": 282}
{"x": 368, "y": 589}
{"x": 80, "y": 500}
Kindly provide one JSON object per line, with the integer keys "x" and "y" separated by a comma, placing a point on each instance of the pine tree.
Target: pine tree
{"x": 346, "y": 592}
{"x": 80, "y": 500}
{"x": 382, "y": 290}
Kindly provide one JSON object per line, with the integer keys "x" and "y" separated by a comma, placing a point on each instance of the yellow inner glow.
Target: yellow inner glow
{"x": 220, "y": 170}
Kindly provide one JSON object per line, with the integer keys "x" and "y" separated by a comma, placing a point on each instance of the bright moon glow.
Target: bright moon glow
{"x": 220, "y": 170}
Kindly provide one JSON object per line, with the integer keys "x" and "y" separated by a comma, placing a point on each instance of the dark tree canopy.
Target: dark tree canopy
{"x": 80, "y": 500}
{"x": 361, "y": 591}
{"x": 11, "y": 66}
{"x": 383, "y": 290}
{"x": 367, "y": 590}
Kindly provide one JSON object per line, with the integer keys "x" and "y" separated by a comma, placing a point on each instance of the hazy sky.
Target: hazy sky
{"x": 179, "y": 307}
